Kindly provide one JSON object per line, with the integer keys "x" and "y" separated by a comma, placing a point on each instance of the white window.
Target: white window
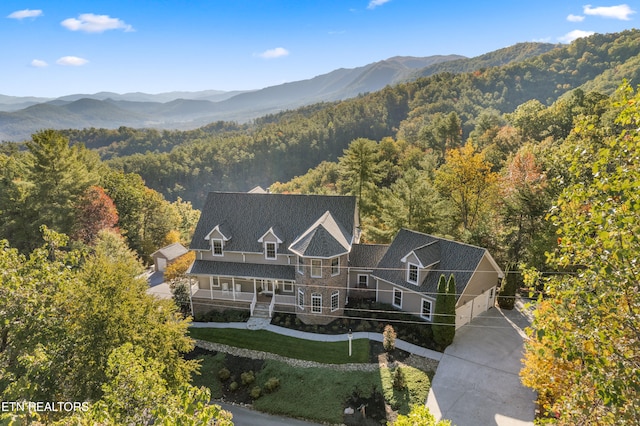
{"x": 363, "y": 281}
{"x": 300, "y": 265}
{"x": 397, "y": 298}
{"x": 301, "y": 299}
{"x": 287, "y": 286}
{"x": 335, "y": 301}
{"x": 412, "y": 273}
{"x": 425, "y": 311}
{"x": 316, "y": 303}
{"x": 215, "y": 282}
{"x": 216, "y": 247}
{"x": 270, "y": 250}
{"x": 316, "y": 268}
{"x": 335, "y": 266}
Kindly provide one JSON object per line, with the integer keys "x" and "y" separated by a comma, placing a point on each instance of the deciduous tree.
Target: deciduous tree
{"x": 583, "y": 358}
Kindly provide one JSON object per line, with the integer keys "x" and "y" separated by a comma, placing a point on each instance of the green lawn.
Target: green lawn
{"x": 317, "y": 394}
{"x": 266, "y": 341}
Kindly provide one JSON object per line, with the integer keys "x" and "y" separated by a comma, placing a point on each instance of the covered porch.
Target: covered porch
{"x": 270, "y": 285}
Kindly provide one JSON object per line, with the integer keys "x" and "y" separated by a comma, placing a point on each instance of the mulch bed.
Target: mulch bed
{"x": 375, "y": 409}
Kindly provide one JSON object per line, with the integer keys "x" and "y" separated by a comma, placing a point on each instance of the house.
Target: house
{"x": 167, "y": 255}
{"x": 301, "y": 254}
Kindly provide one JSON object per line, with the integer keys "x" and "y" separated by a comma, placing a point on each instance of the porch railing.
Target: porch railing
{"x": 271, "y": 305}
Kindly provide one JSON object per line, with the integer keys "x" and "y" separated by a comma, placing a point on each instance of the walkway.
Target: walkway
{"x": 477, "y": 381}
{"x": 377, "y": 337}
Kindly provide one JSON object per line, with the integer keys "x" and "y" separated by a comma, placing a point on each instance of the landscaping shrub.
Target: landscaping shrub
{"x": 224, "y": 374}
{"x": 255, "y": 392}
{"x": 389, "y": 338}
{"x": 233, "y": 386}
{"x": 272, "y": 384}
{"x": 399, "y": 382}
{"x": 247, "y": 378}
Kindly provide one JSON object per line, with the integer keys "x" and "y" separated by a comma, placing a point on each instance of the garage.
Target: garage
{"x": 474, "y": 307}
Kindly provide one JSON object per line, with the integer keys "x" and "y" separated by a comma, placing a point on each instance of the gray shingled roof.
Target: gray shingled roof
{"x": 456, "y": 258}
{"x": 429, "y": 253}
{"x": 247, "y": 216}
{"x": 325, "y": 238}
{"x": 171, "y": 252}
{"x": 366, "y": 256}
{"x": 243, "y": 270}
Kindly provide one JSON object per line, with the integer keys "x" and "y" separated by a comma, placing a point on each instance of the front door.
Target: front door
{"x": 268, "y": 286}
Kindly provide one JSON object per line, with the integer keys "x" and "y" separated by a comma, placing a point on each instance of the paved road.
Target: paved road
{"x": 477, "y": 380}
{"x": 246, "y": 417}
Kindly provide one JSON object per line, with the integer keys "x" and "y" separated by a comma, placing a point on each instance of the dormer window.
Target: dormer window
{"x": 270, "y": 250}
{"x": 412, "y": 273}
{"x": 216, "y": 247}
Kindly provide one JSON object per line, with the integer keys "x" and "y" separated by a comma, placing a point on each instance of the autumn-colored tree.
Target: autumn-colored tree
{"x": 583, "y": 356}
{"x": 467, "y": 181}
{"x": 179, "y": 266}
{"x": 525, "y": 201}
{"x": 95, "y": 211}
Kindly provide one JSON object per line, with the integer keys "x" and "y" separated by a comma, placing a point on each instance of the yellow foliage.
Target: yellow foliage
{"x": 179, "y": 266}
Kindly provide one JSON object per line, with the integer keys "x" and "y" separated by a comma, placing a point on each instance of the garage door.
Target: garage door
{"x": 475, "y": 307}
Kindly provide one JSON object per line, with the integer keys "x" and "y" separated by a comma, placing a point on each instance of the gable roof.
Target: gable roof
{"x": 248, "y": 216}
{"x": 366, "y": 256}
{"x": 170, "y": 252}
{"x": 454, "y": 257}
{"x": 325, "y": 238}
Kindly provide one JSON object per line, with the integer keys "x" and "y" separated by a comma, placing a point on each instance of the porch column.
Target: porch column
{"x": 233, "y": 287}
{"x": 255, "y": 289}
{"x": 211, "y": 286}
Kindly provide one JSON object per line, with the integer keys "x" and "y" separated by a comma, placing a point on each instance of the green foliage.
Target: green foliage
{"x": 507, "y": 293}
{"x": 399, "y": 381}
{"x": 233, "y": 386}
{"x": 71, "y": 321}
{"x": 419, "y": 416}
{"x": 582, "y": 357}
{"x": 444, "y": 317}
{"x": 247, "y": 378}
{"x": 255, "y": 392}
{"x": 272, "y": 384}
{"x": 224, "y": 374}
{"x": 360, "y": 171}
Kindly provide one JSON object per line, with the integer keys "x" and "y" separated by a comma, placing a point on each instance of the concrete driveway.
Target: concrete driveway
{"x": 477, "y": 380}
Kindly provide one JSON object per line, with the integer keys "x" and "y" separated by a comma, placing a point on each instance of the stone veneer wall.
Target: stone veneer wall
{"x": 324, "y": 286}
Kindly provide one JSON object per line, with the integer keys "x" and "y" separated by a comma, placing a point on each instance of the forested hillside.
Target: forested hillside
{"x": 280, "y": 146}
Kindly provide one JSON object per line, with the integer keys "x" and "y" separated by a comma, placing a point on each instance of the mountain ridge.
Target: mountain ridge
{"x": 195, "y": 109}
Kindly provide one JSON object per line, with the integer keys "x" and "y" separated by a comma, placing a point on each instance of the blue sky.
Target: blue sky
{"x": 59, "y": 47}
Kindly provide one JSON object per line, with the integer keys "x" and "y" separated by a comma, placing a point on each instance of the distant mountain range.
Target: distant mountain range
{"x": 22, "y": 116}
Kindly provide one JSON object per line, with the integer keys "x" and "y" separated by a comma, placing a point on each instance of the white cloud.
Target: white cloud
{"x": 38, "y": 63}
{"x": 72, "y": 61}
{"x": 621, "y": 11}
{"x": 575, "y": 18}
{"x": 375, "y": 3}
{"x": 573, "y": 35}
{"x": 278, "y": 52}
{"x": 26, "y": 13}
{"x": 90, "y": 23}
